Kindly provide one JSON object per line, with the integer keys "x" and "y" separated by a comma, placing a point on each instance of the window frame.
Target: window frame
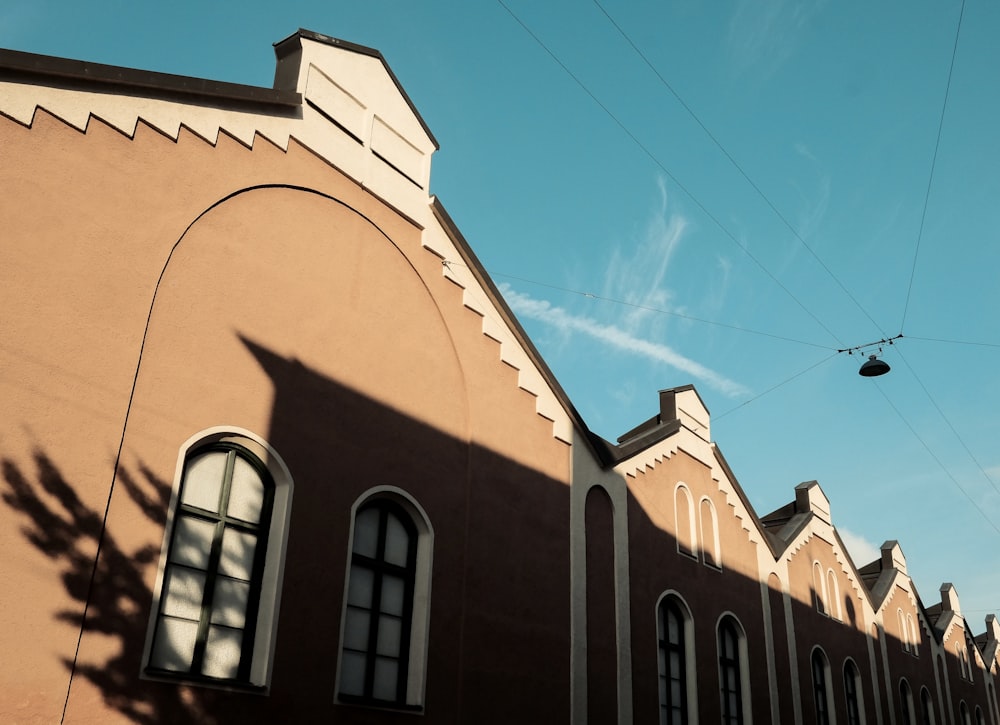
{"x": 820, "y": 667}
{"x": 687, "y": 654}
{"x": 853, "y": 693}
{"x": 412, "y": 676}
{"x": 256, "y": 672}
{"x": 729, "y": 625}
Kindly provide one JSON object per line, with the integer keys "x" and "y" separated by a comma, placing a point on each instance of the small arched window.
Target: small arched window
{"x": 731, "y": 662}
{"x": 852, "y": 693}
{"x": 709, "y": 534}
{"x": 911, "y": 633}
{"x": 819, "y": 589}
{"x": 904, "y": 636}
{"x": 821, "y": 683}
{"x": 979, "y": 716}
{"x": 674, "y": 651}
{"x": 684, "y": 517}
{"x": 833, "y": 592}
{"x": 387, "y": 604}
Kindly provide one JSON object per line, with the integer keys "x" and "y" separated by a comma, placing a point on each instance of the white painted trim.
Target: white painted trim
{"x": 716, "y": 547}
{"x": 692, "y": 542}
{"x": 741, "y": 642}
{"x": 416, "y": 676}
{"x": 690, "y": 650}
{"x": 266, "y": 633}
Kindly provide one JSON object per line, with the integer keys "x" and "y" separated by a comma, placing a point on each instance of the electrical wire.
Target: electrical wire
{"x": 937, "y": 460}
{"x": 774, "y": 387}
{"x": 930, "y": 177}
{"x": 953, "y": 342}
{"x": 652, "y": 157}
{"x": 657, "y": 310}
{"x": 737, "y": 166}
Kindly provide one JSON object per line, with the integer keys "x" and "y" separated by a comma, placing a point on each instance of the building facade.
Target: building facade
{"x": 275, "y": 450}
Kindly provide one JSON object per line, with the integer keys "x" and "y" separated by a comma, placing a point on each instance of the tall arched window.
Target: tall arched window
{"x": 926, "y": 707}
{"x": 964, "y": 711}
{"x": 673, "y": 660}
{"x": 833, "y": 593}
{"x": 819, "y": 588}
{"x": 684, "y": 517}
{"x": 731, "y": 685}
{"x": 904, "y": 636}
{"x": 979, "y": 716}
{"x": 709, "y": 534}
{"x": 820, "y": 685}
{"x": 218, "y": 589}
{"x": 905, "y": 702}
{"x": 911, "y": 633}
{"x": 852, "y": 693}
{"x": 386, "y": 608}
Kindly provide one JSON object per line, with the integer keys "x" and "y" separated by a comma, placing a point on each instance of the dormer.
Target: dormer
{"x": 949, "y": 599}
{"x": 892, "y": 557}
{"x": 809, "y": 498}
{"x": 372, "y": 128}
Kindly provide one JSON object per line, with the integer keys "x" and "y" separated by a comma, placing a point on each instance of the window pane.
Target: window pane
{"x": 192, "y": 542}
{"x": 356, "y": 629}
{"x": 397, "y": 541}
{"x": 222, "y": 653}
{"x": 673, "y": 628}
{"x": 174, "y": 645}
{"x": 238, "y": 550}
{"x": 366, "y": 533}
{"x": 361, "y": 586}
{"x": 392, "y": 595}
{"x": 386, "y": 678}
{"x": 352, "y": 673}
{"x": 203, "y": 480}
{"x": 185, "y": 589}
{"x": 246, "y": 493}
{"x": 389, "y": 636}
{"x": 229, "y": 605}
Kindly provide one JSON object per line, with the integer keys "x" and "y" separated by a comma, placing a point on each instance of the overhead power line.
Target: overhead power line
{"x": 736, "y": 165}
{"x": 930, "y": 176}
{"x": 652, "y": 157}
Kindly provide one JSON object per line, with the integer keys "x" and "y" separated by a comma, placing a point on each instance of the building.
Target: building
{"x": 275, "y": 450}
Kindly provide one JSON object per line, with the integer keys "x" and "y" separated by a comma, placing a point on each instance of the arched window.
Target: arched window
{"x": 674, "y": 645}
{"x": 218, "y": 585}
{"x": 386, "y": 607}
{"x": 905, "y": 702}
{"x": 731, "y": 680}
{"x": 709, "y": 534}
{"x": 820, "y": 687}
{"x": 964, "y": 710}
{"x": 926, "y": 707}
{"x": 979, "y": 716}
{"x": 904, "y": 636}
{"x": 911, "y": 633}
{"x": 833, "y": 592}
{"x": 852, "y": 693}
{"x": 684, "y": 515}
{"x": 819, "y": 588}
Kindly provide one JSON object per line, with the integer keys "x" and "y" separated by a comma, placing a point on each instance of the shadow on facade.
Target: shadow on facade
{"x": 500, "y": 600}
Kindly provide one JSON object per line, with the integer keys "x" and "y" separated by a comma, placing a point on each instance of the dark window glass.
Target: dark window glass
{"x": 851, "y": 693}
{"x": 905, "y": 703}
{"x": 376, "y": 648}
{"x": 926, "y": 707}
{"x": 673, "y": 665}
{"x": 729, "y": 673}
{"x": 210, "y": 594}
{"x": 819, "y": 689}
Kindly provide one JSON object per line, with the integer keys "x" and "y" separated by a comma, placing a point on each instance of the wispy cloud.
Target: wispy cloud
{"x": 764, "y": 35}
{"x": 861, "y": 550}
{"x": 618, "y": 338}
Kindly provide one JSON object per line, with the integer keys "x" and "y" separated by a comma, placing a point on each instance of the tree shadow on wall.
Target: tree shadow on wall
{"x": 66, "y": 530}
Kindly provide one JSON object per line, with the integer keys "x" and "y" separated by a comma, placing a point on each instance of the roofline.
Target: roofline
{"x": 598, "y": 446}
{"x": 283, "y": 48}
{"x": 19, "y": 66}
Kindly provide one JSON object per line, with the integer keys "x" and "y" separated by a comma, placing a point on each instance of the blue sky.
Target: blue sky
{"x": 794, "y": 213}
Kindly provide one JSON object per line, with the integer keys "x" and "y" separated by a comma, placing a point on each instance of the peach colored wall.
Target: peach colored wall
{"x": 322, "y": 278}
